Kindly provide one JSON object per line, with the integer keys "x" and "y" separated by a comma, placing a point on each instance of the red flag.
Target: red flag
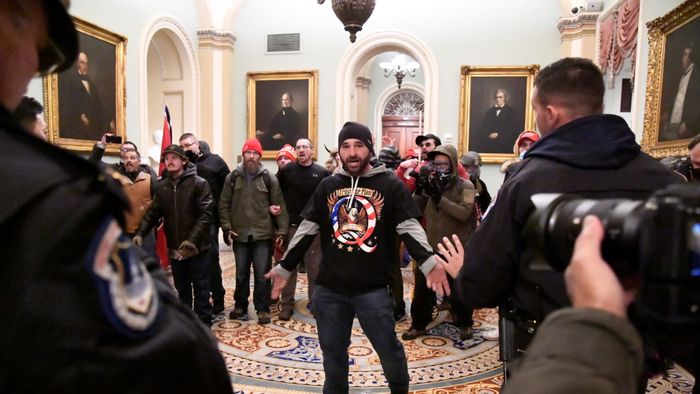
{"x": 161, "y": 242}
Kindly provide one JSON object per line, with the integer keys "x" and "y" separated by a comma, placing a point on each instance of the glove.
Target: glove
{"x": 228, "y": 237}
{"x": 280, "y": 241}
{"x": 434, "y": 191}
{"x": 187, "y": 249}
{"x": 137, "y": 240}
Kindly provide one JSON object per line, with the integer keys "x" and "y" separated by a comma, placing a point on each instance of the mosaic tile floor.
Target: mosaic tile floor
{"x": 284, "y": 356}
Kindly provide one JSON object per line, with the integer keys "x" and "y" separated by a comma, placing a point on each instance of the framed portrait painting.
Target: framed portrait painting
{"x": 672, "y": 102}
{"x": 88, "y": 100}
{"x": 282, "y": 107}
{"x": 494, "y": 109}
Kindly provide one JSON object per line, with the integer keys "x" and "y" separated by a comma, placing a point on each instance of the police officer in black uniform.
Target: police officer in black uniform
{"x": 82, "y": 309}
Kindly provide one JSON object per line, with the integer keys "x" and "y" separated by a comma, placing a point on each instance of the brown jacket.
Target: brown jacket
{"x": 455, "y": 213}
{"x": 140, "y": 199}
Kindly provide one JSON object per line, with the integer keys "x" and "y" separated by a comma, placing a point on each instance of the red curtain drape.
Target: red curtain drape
{"x": 618, "y": 38}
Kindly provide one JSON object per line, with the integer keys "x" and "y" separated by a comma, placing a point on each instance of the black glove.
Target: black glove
{"x": 434, "y": 190}
{"x": 187, "y": 249}
{"x": 423, "y": 181}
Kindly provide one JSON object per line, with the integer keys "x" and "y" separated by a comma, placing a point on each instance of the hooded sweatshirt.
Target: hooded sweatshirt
{"x": 358, "y": 218}
{"x": 455, "y": 212}
{"x": 590, "y": 157}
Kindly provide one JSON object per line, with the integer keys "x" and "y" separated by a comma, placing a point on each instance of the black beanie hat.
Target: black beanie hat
{"x": 357, "y": 131}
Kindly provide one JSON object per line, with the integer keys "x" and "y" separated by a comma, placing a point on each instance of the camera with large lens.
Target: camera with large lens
{"x": 654, "y": 244}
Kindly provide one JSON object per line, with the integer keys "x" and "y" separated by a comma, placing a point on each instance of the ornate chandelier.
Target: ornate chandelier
{"x": 400, "y": 67}
{"x": 353, "y": 13}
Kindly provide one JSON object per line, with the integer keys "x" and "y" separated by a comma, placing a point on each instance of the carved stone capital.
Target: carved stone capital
{"x": 363, "y": 82}
{"x": 222, "y": 39}
{"x": 581, "y": 24}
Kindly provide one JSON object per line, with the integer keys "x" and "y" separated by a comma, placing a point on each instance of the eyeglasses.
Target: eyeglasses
{"x": 441, "y": 165}
{"x": 251, "y": 153}
{"x": 186, "y": 145}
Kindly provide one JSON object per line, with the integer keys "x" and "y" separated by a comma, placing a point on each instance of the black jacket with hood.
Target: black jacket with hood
{"x": 592, "y": 157}
{"x": 213, "y": 169}
{"x": 185, "y": 205}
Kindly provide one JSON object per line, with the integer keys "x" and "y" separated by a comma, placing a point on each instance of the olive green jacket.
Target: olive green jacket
{"x": 244, "y": 206}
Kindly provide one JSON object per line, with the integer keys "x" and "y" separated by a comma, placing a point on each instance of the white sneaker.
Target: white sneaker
{"x": 490, "y": 335}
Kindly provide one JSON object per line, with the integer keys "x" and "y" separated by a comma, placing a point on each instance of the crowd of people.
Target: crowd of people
{"x": 88, "y": 308}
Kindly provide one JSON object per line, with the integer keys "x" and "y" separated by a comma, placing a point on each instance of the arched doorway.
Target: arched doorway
{"x": 170, "y": 76}
{"x": 402, "y": 119}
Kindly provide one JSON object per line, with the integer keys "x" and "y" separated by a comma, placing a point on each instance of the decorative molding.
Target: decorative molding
{"x": 573, "y": 26}
{"x": 363, "y": 82}
{"x": 217, "y": 38}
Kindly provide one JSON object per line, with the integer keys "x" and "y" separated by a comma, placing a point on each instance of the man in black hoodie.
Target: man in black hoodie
{"x": 213, "y": 169}
{"x": 358, "y": 213}
{"x": 583, "y": 152}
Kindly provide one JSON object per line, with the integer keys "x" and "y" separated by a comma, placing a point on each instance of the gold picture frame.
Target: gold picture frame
{"x": 669, "y": 36}
{"x": 78, "y": 113}
{"x": 477, "y": 113}
{"x": 271, "y": 123}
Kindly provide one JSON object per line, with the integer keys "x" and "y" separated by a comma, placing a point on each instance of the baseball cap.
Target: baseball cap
{"x": 176, "y": 149}
{"x": 421, "y": 138}
{"x": 62, "y": 49}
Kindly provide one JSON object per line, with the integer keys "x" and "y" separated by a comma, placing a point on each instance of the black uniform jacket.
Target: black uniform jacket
{"x": 82, "y": 310}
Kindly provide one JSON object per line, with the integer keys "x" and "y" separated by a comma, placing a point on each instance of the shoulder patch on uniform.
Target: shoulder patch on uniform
{"x": 127, "y": 294}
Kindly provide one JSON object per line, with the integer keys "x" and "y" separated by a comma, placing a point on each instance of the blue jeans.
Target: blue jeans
{"x": 194, "y": 273}
{"x": 374, "y": 309}
{"x": 260, "y": 254}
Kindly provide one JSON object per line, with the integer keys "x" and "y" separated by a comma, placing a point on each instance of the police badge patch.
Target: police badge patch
{"x": 127, "y": 293}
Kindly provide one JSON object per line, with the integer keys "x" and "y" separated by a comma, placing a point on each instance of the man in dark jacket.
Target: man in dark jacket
{"x": 357, "y": 214}
{"x": 184, "y": 200}
{"x": 83, "y": 309}
{"x": 582, "y": 152}
{"x": 213, "y": 169}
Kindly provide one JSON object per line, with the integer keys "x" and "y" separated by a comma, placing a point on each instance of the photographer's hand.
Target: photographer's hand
{"x": 590, "y": 281}
{"x": 453, "y": 252}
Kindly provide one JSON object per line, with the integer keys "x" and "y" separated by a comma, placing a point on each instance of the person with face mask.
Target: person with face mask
{"x": 471, "y": 161}
{"x": 522, "y": 144}
{"x": 447, "y": 203}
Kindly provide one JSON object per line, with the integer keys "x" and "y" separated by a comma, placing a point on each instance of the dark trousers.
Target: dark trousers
{"x": 397, "y": 285}
{"x": 312, "y": 260}
{"x": 189, "y": 274}
{"x": 374, "y": 309}
{"x": 424, "y": 301}
{"x": 215, "y": 282}
{"x": 259, "y": 253}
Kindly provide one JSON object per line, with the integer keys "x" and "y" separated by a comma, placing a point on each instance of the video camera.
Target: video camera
{"x": 427, "y": 176}
{"x": 654, "y": 243}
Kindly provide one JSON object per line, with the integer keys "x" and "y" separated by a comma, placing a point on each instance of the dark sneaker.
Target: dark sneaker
{"x": 238, "y": 314}
{"x": 217, "y": 308}
{"x": 413, "y": 333}
{"x": 466, "y": 333}
{"x": 286, "y": 313}
{"x": 263, "y": 317}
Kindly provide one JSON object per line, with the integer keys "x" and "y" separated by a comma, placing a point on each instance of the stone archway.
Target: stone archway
{"x": 169, "y": 74}
{"x": 353, "y": 60}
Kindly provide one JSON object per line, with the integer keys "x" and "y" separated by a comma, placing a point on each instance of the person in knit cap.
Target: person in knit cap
{"x": 357, "y": 214}
{"x": 298, "y": 181}
{"x": 522, "y": 144}
{"x": 285, "y": 156}
{"x": 244, "y": 212}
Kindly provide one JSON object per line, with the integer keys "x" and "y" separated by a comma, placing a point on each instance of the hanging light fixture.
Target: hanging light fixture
{"x": 353, "y": 13}
{"x": 400, "y": 67}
